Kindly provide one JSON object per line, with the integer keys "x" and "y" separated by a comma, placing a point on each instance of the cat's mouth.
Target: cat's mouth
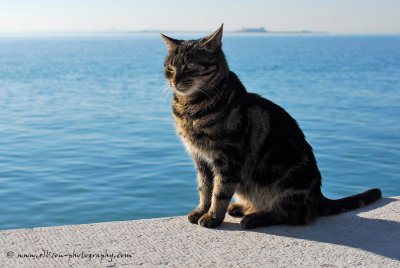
{"x": 183, "y": 89}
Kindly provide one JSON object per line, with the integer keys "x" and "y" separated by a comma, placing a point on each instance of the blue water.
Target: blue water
{"x": 86, "y": 133}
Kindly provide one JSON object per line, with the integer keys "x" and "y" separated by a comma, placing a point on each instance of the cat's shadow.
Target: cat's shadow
{"x": 374, "y": 235}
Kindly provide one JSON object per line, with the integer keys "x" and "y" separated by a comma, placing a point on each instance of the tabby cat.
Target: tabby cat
{"x": 243, "y": 144}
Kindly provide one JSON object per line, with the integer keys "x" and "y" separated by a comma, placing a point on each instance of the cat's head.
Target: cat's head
{"x": 195, "y": 66}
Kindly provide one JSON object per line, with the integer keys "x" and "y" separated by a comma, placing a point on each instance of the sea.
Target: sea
{"x": 86, "y": 131}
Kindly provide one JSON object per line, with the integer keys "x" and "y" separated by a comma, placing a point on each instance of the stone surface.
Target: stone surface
{"x": 369, "y": 237}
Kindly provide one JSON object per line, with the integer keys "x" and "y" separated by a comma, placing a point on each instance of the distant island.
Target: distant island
{"x": 254, "y": 30}
{"x": 263, "y": 30}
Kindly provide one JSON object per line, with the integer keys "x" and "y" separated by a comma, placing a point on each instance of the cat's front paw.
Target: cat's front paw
{"x": 195, "y": 215}
{"x": 208, "y": 221}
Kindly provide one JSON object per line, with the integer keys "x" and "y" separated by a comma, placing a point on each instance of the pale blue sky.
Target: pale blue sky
{"x": 337, "y": 16}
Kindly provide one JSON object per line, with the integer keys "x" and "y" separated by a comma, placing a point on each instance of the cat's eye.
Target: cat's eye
{"x": 169, "y": 69}
{"x": 191, "y": 66}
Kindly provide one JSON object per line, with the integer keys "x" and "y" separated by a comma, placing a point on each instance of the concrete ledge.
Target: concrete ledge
{"x": 367, "y": 238}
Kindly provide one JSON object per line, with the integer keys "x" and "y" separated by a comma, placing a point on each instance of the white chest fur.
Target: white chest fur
{"x": 197, "y": 151}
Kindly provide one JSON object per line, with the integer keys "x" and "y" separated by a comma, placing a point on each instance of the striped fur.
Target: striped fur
{"x": 243, "y": 145}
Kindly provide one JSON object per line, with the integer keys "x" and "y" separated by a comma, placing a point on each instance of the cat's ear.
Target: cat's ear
{"x": 170, "y": 42}
{"x": 214, "y": 40}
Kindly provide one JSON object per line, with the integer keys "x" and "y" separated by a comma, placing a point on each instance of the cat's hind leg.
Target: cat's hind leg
{"x": 236, "y": 210}
{"x": 259, "y": 219}
{"x": 241, "y": 207}
{"x": 292, "y": 210}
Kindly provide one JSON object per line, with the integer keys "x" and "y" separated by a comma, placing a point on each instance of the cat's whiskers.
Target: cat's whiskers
{"x": 209, "y": 85}
{"x": 166, "y": 90}
{"x": 165, "y": 87}
{"x": 210, "y": 89}
{"x": 205, "y": 92}
{"x": 190, "y": 84}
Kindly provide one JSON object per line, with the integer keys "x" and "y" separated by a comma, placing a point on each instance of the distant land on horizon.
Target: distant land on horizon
{"x": 249, "y": 30}
{"x": 260, "y": 30}
{"x": 244, "y": 30}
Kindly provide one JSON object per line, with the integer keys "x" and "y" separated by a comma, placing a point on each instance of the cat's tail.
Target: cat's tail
{"x": 332, "y": 207}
